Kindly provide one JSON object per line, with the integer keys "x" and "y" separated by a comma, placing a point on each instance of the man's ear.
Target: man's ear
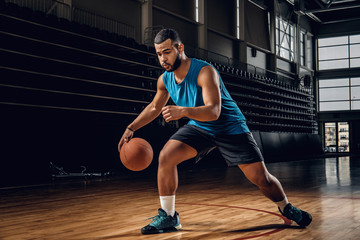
{"x": 181, "y": 48}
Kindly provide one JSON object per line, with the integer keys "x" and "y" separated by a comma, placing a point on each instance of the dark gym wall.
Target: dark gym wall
{"x": 355, "y": 137}
{"x": 222, "y": 16}
{"x": 187, "y": 30}
{"x": 256, "y": 18}
{"x": 220, "y": 44}
{"x": 125, "y": 11}
{"x": 185, "y": 8}
{"x": 257, "y": 58}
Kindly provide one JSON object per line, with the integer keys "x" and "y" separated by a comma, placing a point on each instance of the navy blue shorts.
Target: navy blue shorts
{"x": 236, "y": 149}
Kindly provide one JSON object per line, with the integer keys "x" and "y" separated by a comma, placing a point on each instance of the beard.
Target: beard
{"x": 176, "y": 64}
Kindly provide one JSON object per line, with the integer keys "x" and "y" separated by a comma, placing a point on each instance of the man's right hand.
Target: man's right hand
{"x": 127, "y": 135}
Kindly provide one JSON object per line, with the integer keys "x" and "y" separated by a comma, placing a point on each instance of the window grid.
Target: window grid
{"x": 302, "y": 48}
{"x": 285, "y": 39}
{"x": 337, "y": 62}
{"x": 349, "y": 102}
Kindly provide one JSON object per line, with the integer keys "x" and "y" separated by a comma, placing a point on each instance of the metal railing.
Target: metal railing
{"x": 212, "y": 56}
{"x": 103, "y": 23}
{"x": 51, "y": 7}
{"x": 63, "y": 10}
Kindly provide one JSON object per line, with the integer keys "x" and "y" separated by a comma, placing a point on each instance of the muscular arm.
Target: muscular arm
{"x": 154, "y": 108}
{"x": 149, "y": 113}
{"x": 208, "y": 80}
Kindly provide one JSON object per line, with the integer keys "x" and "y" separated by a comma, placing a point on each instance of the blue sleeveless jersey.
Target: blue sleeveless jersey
{"x": 188, "y": 94}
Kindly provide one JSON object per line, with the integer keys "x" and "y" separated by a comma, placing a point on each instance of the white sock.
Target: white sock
{"x": 282, "y": 204}
{"x": 168, "y": 204}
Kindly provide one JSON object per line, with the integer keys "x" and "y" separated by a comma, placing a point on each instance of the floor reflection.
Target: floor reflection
{"x": 337, "y": 171}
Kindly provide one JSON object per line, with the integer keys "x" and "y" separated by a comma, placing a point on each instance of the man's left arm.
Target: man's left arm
{"x": 208, "y": 80}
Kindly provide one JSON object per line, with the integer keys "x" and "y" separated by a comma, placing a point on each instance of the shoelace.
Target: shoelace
{"x": 158, "y": 220}
{"x": 153, "y": 219}
{"x": 295, "y": 213}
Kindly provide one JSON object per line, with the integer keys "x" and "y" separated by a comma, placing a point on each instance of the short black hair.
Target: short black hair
{"x": 165, "y": 34}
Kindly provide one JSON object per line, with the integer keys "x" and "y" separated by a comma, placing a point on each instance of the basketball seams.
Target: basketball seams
{"x": 140, "y": 156}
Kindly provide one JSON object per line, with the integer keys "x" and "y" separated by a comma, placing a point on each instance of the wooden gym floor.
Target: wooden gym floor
{"x": 213, "y": 204}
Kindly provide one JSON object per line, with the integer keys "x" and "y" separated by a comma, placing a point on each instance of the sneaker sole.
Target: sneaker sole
{"x": 306, "y": 219}
{"x": 171, "y": 229}
{"x": 165, "y": 230}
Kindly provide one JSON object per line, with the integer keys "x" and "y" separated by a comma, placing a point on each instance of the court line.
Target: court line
{"x": 287, "y": 222}
{"x": 289, "y": 195}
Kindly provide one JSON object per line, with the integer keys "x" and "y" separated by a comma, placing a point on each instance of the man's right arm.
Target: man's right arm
{"x": 151, "y": 111}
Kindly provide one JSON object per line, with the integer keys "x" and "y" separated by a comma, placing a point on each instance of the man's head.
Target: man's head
{"x": 165, "y": 34}
{"x": 169, "y": 49}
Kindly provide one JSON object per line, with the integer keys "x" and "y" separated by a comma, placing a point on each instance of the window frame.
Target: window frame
{"x": 350, "y": 86}
{"x": 285, "y": 31}
{"x": 351, "y": 61}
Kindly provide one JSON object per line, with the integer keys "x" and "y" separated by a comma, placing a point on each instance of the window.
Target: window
{"x": 355, "y": 93}
{"x": 339, "y": 52}
{"x": 336, "y": 137}
{"x": 330, "y": 137}
{"x": 285, "y": 39}
{"x": 306, "y": 49}
{"x": 334, "y": 94}
{"x": 197, "y": 10}
{"x": 302, "y": 48}
{"x": 238, "y": 19}
{"x": 309, "y": 51}
{"x": 339, "y": 94}
{"x": 343, "y": 137}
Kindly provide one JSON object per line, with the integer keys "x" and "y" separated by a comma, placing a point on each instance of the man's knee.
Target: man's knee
{"x": 165, "y": 158}
{"x": 175, "y": 152}
{"x": 262, "y": 181}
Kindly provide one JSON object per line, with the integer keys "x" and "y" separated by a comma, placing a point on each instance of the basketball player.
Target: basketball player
{"x": 215, "y": 121}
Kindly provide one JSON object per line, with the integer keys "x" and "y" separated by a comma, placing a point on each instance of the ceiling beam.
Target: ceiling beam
{"x": 344, "y": 1}
{"x": 312, "y": 16}
{"x": 334, "y": 8}
{"x": 342, "y": 20}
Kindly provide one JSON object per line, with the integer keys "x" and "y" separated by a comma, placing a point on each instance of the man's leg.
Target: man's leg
{"x": 272, "y": 189}
{"x": 173, "y": 153}
{"x": 267, "y": 183}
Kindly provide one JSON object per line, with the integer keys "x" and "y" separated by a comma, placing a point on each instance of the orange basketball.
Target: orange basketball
{"x": 136, "y": 154}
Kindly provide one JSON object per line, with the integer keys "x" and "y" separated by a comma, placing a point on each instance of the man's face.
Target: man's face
{"x": 168, "y": 55}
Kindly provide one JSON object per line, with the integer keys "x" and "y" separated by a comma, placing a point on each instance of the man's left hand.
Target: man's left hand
{"x": 172, "y": 113}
